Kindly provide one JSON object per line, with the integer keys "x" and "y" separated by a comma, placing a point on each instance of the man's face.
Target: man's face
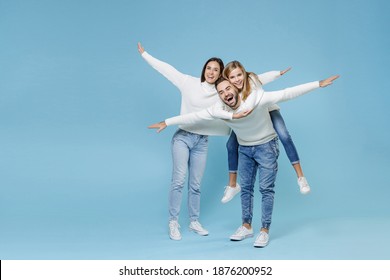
{"x": 228, "y": 94}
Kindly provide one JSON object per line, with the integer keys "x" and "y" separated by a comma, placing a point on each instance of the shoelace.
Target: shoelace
{"x": 226, "y": 189}
{"x": 174, "y": 226}
{"x": 197, "y": 225}
{"x": 241, "y": 230}
{"x": 303, "y": 183}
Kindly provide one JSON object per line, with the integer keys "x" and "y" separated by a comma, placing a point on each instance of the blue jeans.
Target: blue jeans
{"x": 262, "y": 158}
{"x": 232, "y": 148}
{"x": 283, "y": 134}
{"x": 189, "y": 153}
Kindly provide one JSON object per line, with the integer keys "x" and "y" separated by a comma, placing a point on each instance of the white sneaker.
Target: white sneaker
{"x": 196, "y": 227}
{"x": 241, "y": 233}
{"x": 174, "y": 232}
{"x": 230, "y": 193}
{"x": 261, "y": 240}
{"x": 303, "y": 185}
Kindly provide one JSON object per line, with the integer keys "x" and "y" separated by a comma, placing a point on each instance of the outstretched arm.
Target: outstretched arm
{"x": 168, "y": 71}
{"x": 271, "y": 76}
{"x": 253, "y": 97}
{"x": 192, "y": 118}
{"x": 273, "y": 97}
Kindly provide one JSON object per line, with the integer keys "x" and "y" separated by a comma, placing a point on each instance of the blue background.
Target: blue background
{"x": 81, "y": 176}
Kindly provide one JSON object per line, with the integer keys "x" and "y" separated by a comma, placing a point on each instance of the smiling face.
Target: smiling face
{"x": 212, "y": 72}
{"x": 236, "y": 77}
{"x": 228, "y": 94}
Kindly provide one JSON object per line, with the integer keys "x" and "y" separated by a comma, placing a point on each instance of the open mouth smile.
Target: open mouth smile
{"x": 229, "y": 99}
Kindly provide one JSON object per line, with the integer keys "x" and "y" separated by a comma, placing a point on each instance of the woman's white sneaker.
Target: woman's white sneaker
{"x": 174, "y": 232}
{"x": 230, "y": 193}
{"x": 303, "y": 185}
{"x": 195, "y": 226}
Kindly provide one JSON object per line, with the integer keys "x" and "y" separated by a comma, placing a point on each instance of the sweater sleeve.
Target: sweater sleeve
{"x": 251, "y": 101}
{"x": 174, "y": 76}
{"x": 272, "y": 97}
{"x": 268, "y": 77}
{"x": 218, "y": 111}
{"x": 253, "y": 98}
{"x": 213, "y": 112}
{"x": 191, "y": 118}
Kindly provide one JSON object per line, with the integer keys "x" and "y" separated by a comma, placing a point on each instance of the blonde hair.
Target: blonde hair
{"x": 251, "y": 81}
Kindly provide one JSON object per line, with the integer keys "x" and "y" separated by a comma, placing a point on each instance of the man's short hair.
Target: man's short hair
{"x": 220, "y": 80}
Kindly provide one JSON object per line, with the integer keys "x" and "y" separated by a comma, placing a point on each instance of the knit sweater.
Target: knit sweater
{"x": 250, "y": 102}
{"x": 195, "y": 96}
{"x": 256, "y": 128}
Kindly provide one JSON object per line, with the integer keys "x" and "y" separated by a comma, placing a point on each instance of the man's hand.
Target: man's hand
{"x": 328, "y": 81}
{"x": 159, "y": 126}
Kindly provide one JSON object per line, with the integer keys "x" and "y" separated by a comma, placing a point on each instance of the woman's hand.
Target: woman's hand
{"x": 140, "y": 48}
{"x": 242, "y": 114}
{"x": 285, "y": 71}
{"x": 159, "y": 126}
{"x": 328, "y": 81}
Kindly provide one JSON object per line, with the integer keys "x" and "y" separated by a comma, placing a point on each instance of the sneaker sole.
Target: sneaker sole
{"x": 260, "y": 246}
{"x": 305, "y": 192}
{"x": 198, "y": 232}
{"x": 175, "y": 238}
{"x": 244, "y": 237}
{"x": 226, "y": 201}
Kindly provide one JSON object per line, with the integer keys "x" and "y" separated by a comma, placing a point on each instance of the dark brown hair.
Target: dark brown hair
{"x": 216, "y": 59}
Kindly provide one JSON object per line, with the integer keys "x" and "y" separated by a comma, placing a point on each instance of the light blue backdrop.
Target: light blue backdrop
{"x": 81, "y": 177}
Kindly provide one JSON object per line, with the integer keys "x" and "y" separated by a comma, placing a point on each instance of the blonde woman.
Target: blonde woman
{"x": 246, "y": 83}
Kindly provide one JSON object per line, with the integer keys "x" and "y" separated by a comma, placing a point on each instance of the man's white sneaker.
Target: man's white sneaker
{"x": 303, "y": 185}
{"x": 195, "y": 226}
{"x": 261, "y": 240}
{"x": 174, "y": 232}
{"x": 241, "y": 233}
{"x": 230, "y": 193}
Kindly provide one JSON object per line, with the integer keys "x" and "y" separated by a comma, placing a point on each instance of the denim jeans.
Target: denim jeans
{"x": 262, "y": 158}
{"x": 284, "y": 136}
{"x": 232, "y": 148}
{"x": 189, "y": 153}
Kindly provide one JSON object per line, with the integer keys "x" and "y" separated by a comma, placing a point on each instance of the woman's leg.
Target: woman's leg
{"x": 233, "y": 188}
{"x": 180, "y": 157}
{"x": 289, "y": 147}
{"x": 196, "y": 165}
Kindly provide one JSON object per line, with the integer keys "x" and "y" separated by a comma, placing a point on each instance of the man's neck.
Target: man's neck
{"x": 237, "y": 105}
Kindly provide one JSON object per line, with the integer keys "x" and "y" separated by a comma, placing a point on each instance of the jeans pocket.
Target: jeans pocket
{"x": 275, "y": 146}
